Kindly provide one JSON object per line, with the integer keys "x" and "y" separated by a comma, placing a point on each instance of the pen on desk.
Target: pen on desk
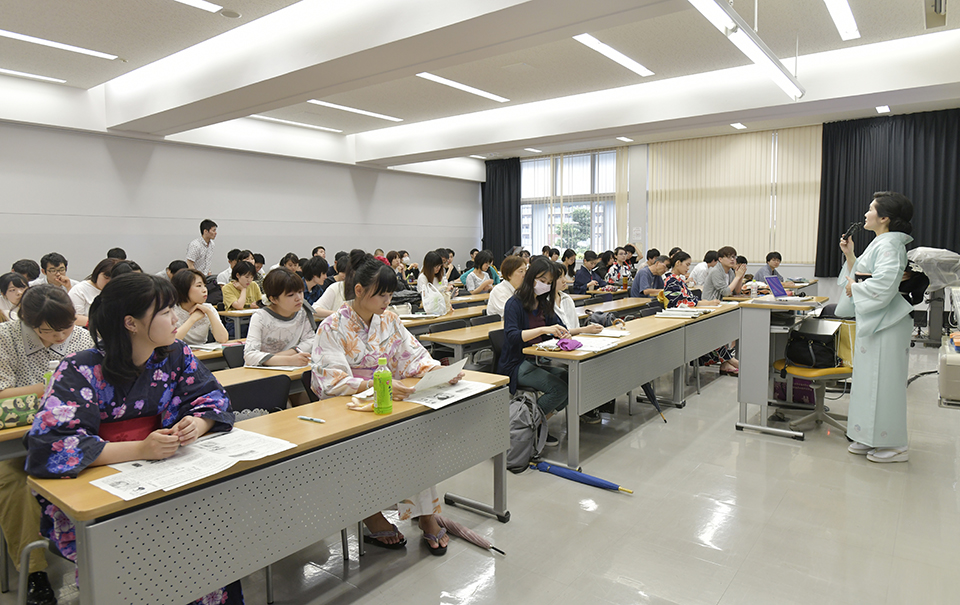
{"x": 309, "y": 419}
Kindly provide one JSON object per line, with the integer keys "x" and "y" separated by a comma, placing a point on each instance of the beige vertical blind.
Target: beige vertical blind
{"x": 752, "y": 191}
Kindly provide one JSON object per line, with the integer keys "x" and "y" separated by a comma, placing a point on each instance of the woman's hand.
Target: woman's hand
{"x": 592, "y": 284}
{"x": 847, "y": 246}
{"x": 191, "y": 428}
{"x": 591, "y": 329}
{"x": 401, "y": 391}
{"x": 160, "y": 444}
{"x": 557, "y": 331}
{"x": 454, "y": 380}
{"x": 849, "y": 287}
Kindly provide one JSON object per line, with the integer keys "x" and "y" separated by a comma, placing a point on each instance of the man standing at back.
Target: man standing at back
{"x": 200, "y": 250}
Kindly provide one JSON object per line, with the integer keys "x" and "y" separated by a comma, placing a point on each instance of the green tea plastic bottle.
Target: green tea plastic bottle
{"x": 383, "y": 389}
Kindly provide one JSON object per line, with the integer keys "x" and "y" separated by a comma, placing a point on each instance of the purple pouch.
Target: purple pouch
{"x": 569, "y": 344}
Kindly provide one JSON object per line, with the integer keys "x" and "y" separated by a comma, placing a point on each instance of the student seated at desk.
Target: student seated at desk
{"x": 726, "y": 277}
{"x": 12, "y": 287}
{"x": 619, "y": 274}
{"x": 569, "y": 261}
{"x": 27, "y": 268}
{"x": 433, "y": 290}
{"x": 86, "y": 291}
{"x": 138, "y": 395}
{"x": 676, "y": 294}
{"x": 53, "y": 267}
{"x": 45, "y": 331}
{"x": 513, "y": 268}
{"x": 282, "y": 333}
{"x": 346, "y": 352}
{"x": 232, "y": 257}
{"x": 333, "y": 297}
{"x": 314, "y": 275}
{"x": 478, "y": 280}
{"x": 698, "y": 275}
{"x": 528, "y": 317}
{"x": 242, "y": 292}
{"x": 173, "y": 268}
{"x": 649, "y": 278}
{"x": 586, "y": 278}
{"x": 195, "y": 318}
{"x": 566, "y": 308}
{"x": 770, "y": 270}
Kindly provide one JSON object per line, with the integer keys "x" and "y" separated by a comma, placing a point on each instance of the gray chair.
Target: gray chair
{"x": 484, "y": 319}
{"x": 233, "y": 355}
{"x": 647, "y": 312}
{"x": 440, "y": 351}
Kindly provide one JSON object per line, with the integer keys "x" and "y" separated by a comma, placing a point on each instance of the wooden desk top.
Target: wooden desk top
{"x": 463, "y": 336}
{"x": 579, "y": 297}
{"x": 16, "y": 432}
{"x": 237, "y": 312}
{"x": 205, "y": 355}
{"x": 596, "y": 292}
{"x": 82, "y": 501}
{"x": 237, "y": 375}
{"x": 461, "y": 313}
{"x": 618, "y": 305}
{"x": 758, "y": 303}
{"x": 470, "y": 298}
{"x": 640, "y": 329}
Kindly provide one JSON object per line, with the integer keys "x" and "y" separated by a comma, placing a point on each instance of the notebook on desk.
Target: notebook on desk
{"x": 779, "y": 294}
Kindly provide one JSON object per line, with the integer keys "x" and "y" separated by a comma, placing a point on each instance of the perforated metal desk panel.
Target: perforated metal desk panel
{"x": 178, "y": 549}
{"x": 710, "y": 332}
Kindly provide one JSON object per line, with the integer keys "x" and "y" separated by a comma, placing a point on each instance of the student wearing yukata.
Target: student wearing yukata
{"x": 877, "y": 420}
{"x": 139, "y": 394}
{"x": 347, "y": 350}
{"x": 619, "y": 274}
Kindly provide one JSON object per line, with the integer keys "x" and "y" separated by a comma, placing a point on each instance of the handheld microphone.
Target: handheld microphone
{"x": 853, "y": 228}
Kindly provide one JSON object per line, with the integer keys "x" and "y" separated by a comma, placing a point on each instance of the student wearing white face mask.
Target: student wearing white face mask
{"x": 411, "y": 269}
{"x": 528, "y": 317}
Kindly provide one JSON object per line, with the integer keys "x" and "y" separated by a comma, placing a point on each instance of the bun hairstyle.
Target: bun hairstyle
{"x": 371, "y": 274}
{"x": 678, "y": 257}
{"x": 131, "y": 294}
{"x": 897, "y": 207}
{"x": 528, "y": 297}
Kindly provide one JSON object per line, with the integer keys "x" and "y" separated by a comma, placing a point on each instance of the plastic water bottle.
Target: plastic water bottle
{"x": 383, "y": 388}
{"x": 52, "y": 366}
{"x": 753, "y": 290}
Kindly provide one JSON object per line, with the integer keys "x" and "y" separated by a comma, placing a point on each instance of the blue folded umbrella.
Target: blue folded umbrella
{"x": 562, "y": 471}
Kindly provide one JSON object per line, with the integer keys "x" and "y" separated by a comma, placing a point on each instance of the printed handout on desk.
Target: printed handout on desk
{"x": 418, "y": 316}
{"x": 208, "y": 456}
{"x": 445, "y": 394}
{"x": 611, "y": 333}
{"x": 440, "y": 376}
{"x": 279, "y": 368}
{"x": 210, "y": 346}
{"x": 595, "y": 343}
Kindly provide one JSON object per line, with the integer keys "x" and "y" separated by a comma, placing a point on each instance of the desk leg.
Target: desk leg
{"x": 573, "y": 414}
{"x": 499, "y": 508}
{"x": 457, "y": 352}
{"x": 85, "y": 571}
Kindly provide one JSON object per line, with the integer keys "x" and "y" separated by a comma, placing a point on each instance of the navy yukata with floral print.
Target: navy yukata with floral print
{"x": 64, "y": 438}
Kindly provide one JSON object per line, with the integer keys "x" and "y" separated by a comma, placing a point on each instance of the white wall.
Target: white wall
{"x": 80, "y": 194}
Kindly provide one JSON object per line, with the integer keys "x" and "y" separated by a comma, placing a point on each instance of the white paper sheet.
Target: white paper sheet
{"x": 596, "y": 343}
{"x": 418, "y": 316}
{"x": 609, "y": 333}
{"x": 445, "y": 394}
{"x": 210, "y": 346}
{"x": 440, "y": 376}
{"x": 242, "y": 445}
{"x": 279, "y": 368}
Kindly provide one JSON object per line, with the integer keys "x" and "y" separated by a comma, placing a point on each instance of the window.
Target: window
{"x": 568, "y": 201}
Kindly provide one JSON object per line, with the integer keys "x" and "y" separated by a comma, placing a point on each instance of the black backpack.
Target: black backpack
{"x": 214, "y": 295}
{"x": 809, "y": 350}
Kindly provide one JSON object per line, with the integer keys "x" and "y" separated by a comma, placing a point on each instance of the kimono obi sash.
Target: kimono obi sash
{"x": 132, "y": 429}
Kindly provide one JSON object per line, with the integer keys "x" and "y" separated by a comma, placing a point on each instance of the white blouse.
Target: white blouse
{"x": 499, "y": 296}
{"x": 82, "y": 296}
{"x": 332, "y": 298}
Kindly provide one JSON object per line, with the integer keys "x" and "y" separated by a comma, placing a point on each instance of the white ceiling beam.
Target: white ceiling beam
{"x": 912, "y": 70}
{"x": 317, "y": 47}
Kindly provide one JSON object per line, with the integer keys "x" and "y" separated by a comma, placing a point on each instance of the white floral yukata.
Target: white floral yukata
{"x": 347, "y": 351}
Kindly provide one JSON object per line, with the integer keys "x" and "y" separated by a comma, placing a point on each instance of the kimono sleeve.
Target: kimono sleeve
{"x": 411, "y": 360}
{"x": 63, "y": 439}
{"x": 197, "y": 393}
{"x": 331, "y": 368}
{"x": 874, "y": 295}
{"x": 673, "y": 292}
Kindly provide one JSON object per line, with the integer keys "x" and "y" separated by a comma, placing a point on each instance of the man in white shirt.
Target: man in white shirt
{"x": 53, "y": 271}
{"x": 698, "y": 275}
{"x": 233, "y": 257}
{"x": 200, "y": 250}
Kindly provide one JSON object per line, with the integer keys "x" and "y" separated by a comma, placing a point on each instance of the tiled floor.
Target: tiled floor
{"x": 718, "y": 516}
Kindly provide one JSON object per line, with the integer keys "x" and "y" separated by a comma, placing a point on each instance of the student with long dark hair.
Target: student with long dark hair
{"x": 569, "y": 260}
{"x": 877, "y": 421}
{"x": 346, "y": 352}
{"x": 431, "y": 286}
{"x": 528, "y": 317}
{"x": 139, "y": 394}
{"x": 195, "y": 317}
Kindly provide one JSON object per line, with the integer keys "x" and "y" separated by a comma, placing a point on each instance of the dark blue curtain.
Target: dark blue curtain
{"x": 501, "y": 206}
{"x": 916, "y": 154}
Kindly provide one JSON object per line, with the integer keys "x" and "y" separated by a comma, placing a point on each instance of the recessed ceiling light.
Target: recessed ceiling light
{"x": 300, "y": 124}
{"x": 362, "y": 112}
{"x": 21, "y": 74}
{"x": 613, "y": 54}
{"x": 452, "y": 84}
{"x": 738, "y": 126}
{"x": 883, "y": 109}
{"x": 230, "y": 14}
{"x": 479, "y": 157}
{"x": 625, "y": 139}
{"x": 58, "y": 45}
{"x": 843, "y": 18}
{"x": 532, "y": 150}
{"x": 210, "y": 7}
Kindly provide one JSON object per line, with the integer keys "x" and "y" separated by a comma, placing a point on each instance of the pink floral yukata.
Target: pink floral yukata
{"x": 64, "y": 438}
{"x": 348, "y": 351}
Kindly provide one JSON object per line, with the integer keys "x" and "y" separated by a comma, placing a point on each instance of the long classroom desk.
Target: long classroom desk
{"x": 618, "y": 307}
{"x": 470, "y": 300}
{"x": 238, "y": 318}
{"x": 174, "y": 547}
{"x": 213, "y": 360}
{"x": 420, "y": 326}
{"x": 656, "y": 346}
{"x": 761, "y": 342}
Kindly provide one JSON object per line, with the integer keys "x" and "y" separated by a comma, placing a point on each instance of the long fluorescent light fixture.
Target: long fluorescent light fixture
{"x": 21, "y": 74}
{"x": 843, "y": 18}
{"x": 532, "y": 150}
{"x": 479, "y": 157}
{"x": 732, "y": 25}
{"x": 74, "y": 49}
{"x": 210, "y": 7}
{"x": 289, "y": 123}
{"x": 625, "y": 139}
{"x": 453, "y": 84}
{"x": 362, "y": 112}
{"x": 613, "y": 54}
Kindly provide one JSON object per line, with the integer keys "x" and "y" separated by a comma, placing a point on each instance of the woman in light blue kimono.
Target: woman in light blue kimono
{"x": 877, "y": 421}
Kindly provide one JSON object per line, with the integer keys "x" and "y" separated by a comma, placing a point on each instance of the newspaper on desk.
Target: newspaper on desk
{"x": 208, "y": 456}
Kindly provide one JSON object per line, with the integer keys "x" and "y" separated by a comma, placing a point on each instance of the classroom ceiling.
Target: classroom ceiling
{"x": 537, "y": 62}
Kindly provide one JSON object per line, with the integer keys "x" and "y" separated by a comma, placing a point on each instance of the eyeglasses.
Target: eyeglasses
{"x": 60, "y": 271}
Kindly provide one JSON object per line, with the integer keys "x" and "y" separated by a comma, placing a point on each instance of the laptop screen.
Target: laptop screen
{"x": 775, "y": 286}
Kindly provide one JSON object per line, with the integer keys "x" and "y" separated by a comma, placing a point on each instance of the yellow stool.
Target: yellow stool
{"x": 818, "y": 378}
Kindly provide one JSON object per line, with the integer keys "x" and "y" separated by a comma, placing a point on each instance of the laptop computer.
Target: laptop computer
{"x": 779, "y": 294}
